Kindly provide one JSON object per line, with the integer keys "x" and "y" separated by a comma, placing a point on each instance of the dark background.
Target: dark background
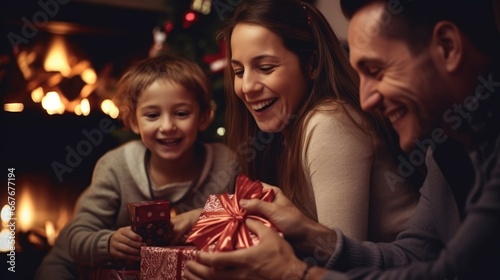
{"x": 32, "y": 140}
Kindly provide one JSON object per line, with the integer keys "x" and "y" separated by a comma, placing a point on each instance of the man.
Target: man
{"x": 432, "y": 67}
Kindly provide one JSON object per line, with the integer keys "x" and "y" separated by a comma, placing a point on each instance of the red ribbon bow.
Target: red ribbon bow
{"x": 227, "y": 227}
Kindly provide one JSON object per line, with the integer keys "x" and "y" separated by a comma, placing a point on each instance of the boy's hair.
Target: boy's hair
{"x": 166, "y": 67}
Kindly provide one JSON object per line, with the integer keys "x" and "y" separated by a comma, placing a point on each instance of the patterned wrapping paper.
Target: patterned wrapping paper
{"x": 110, "y": 271}
{"x": 165, "y": 263}
{"x": 151, "y": 220}
{"x": 220, "y": 227}
{"x": 170, "y": 262}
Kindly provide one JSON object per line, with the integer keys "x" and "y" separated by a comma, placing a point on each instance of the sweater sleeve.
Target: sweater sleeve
{"x": 419, "y": 241}
{"x": 338, "y": 159}
{"x": 472, "y": 253}
{"x": 94, "y": 220}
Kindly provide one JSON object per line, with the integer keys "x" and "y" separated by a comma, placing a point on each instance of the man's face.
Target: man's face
{"x": 404, "y": 86}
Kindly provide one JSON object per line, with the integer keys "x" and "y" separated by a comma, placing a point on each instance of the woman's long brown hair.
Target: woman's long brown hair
{"x": 277, "y": 158}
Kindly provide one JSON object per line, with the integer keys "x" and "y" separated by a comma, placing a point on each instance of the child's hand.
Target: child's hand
{"x": 182, "y": 223}
{"x": 125, "y": 245}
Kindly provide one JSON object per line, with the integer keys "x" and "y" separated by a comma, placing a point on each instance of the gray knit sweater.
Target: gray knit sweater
{"x": 120, "y": 178}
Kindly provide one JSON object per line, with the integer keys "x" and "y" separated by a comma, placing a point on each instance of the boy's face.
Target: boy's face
{"x": 406, "y": 87}
{"x": 168, "y": 120}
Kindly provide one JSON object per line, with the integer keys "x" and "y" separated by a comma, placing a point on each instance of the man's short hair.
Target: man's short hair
{"x": 415, "y": 19}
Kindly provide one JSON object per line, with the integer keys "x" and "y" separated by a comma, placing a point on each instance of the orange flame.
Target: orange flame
{"x": 57, "y": 57}
{"x": 25, "y": 215}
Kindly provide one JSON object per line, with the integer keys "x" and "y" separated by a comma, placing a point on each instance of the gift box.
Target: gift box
{"x": 151, "y": 220}
{"x": 220, "y": 227}
{"x": 110, "y": 271}
{"x": 165, "y": 263}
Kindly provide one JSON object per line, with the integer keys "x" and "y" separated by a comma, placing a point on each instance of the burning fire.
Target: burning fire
{"x": 25, "y": 213}
{"x": 47, "y": 84}
{"x": 4, "y": 234}
{"x": 29, "y": 221}
{"x": 57, "y": 58}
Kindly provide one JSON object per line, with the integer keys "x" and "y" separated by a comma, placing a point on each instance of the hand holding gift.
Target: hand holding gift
{"x": 220, "y": 227}
{"x": 274, "y": 257}
{"x": 125, "y": 245}
{"x": 182, "y": 224}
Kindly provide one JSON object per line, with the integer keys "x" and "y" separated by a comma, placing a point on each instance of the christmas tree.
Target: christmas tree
{"x": 189, "y": 29}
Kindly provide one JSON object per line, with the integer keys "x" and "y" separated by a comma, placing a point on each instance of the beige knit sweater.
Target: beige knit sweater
{"x": 347, "y": 181}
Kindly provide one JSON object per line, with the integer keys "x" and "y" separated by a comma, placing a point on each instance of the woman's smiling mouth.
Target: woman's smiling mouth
{"x": 263, "y": 105}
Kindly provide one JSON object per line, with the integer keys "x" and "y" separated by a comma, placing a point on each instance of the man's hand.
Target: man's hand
{"x": 272, "y": 258}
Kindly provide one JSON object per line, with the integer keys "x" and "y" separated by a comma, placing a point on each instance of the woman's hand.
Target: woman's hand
{"x": 280, "y": 212}
{"x": 307, "y": 237}
{"x": 125, "y": 245}
{"x": 182, "y": 223}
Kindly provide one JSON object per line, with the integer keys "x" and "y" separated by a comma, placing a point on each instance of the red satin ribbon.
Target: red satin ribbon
{"x": 227, "y": 227}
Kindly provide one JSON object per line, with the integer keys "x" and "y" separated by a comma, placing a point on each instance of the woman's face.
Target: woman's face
{"x": 267, "y": 77}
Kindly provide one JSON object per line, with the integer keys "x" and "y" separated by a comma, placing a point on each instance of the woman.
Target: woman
{"x": 294, "y": 120}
